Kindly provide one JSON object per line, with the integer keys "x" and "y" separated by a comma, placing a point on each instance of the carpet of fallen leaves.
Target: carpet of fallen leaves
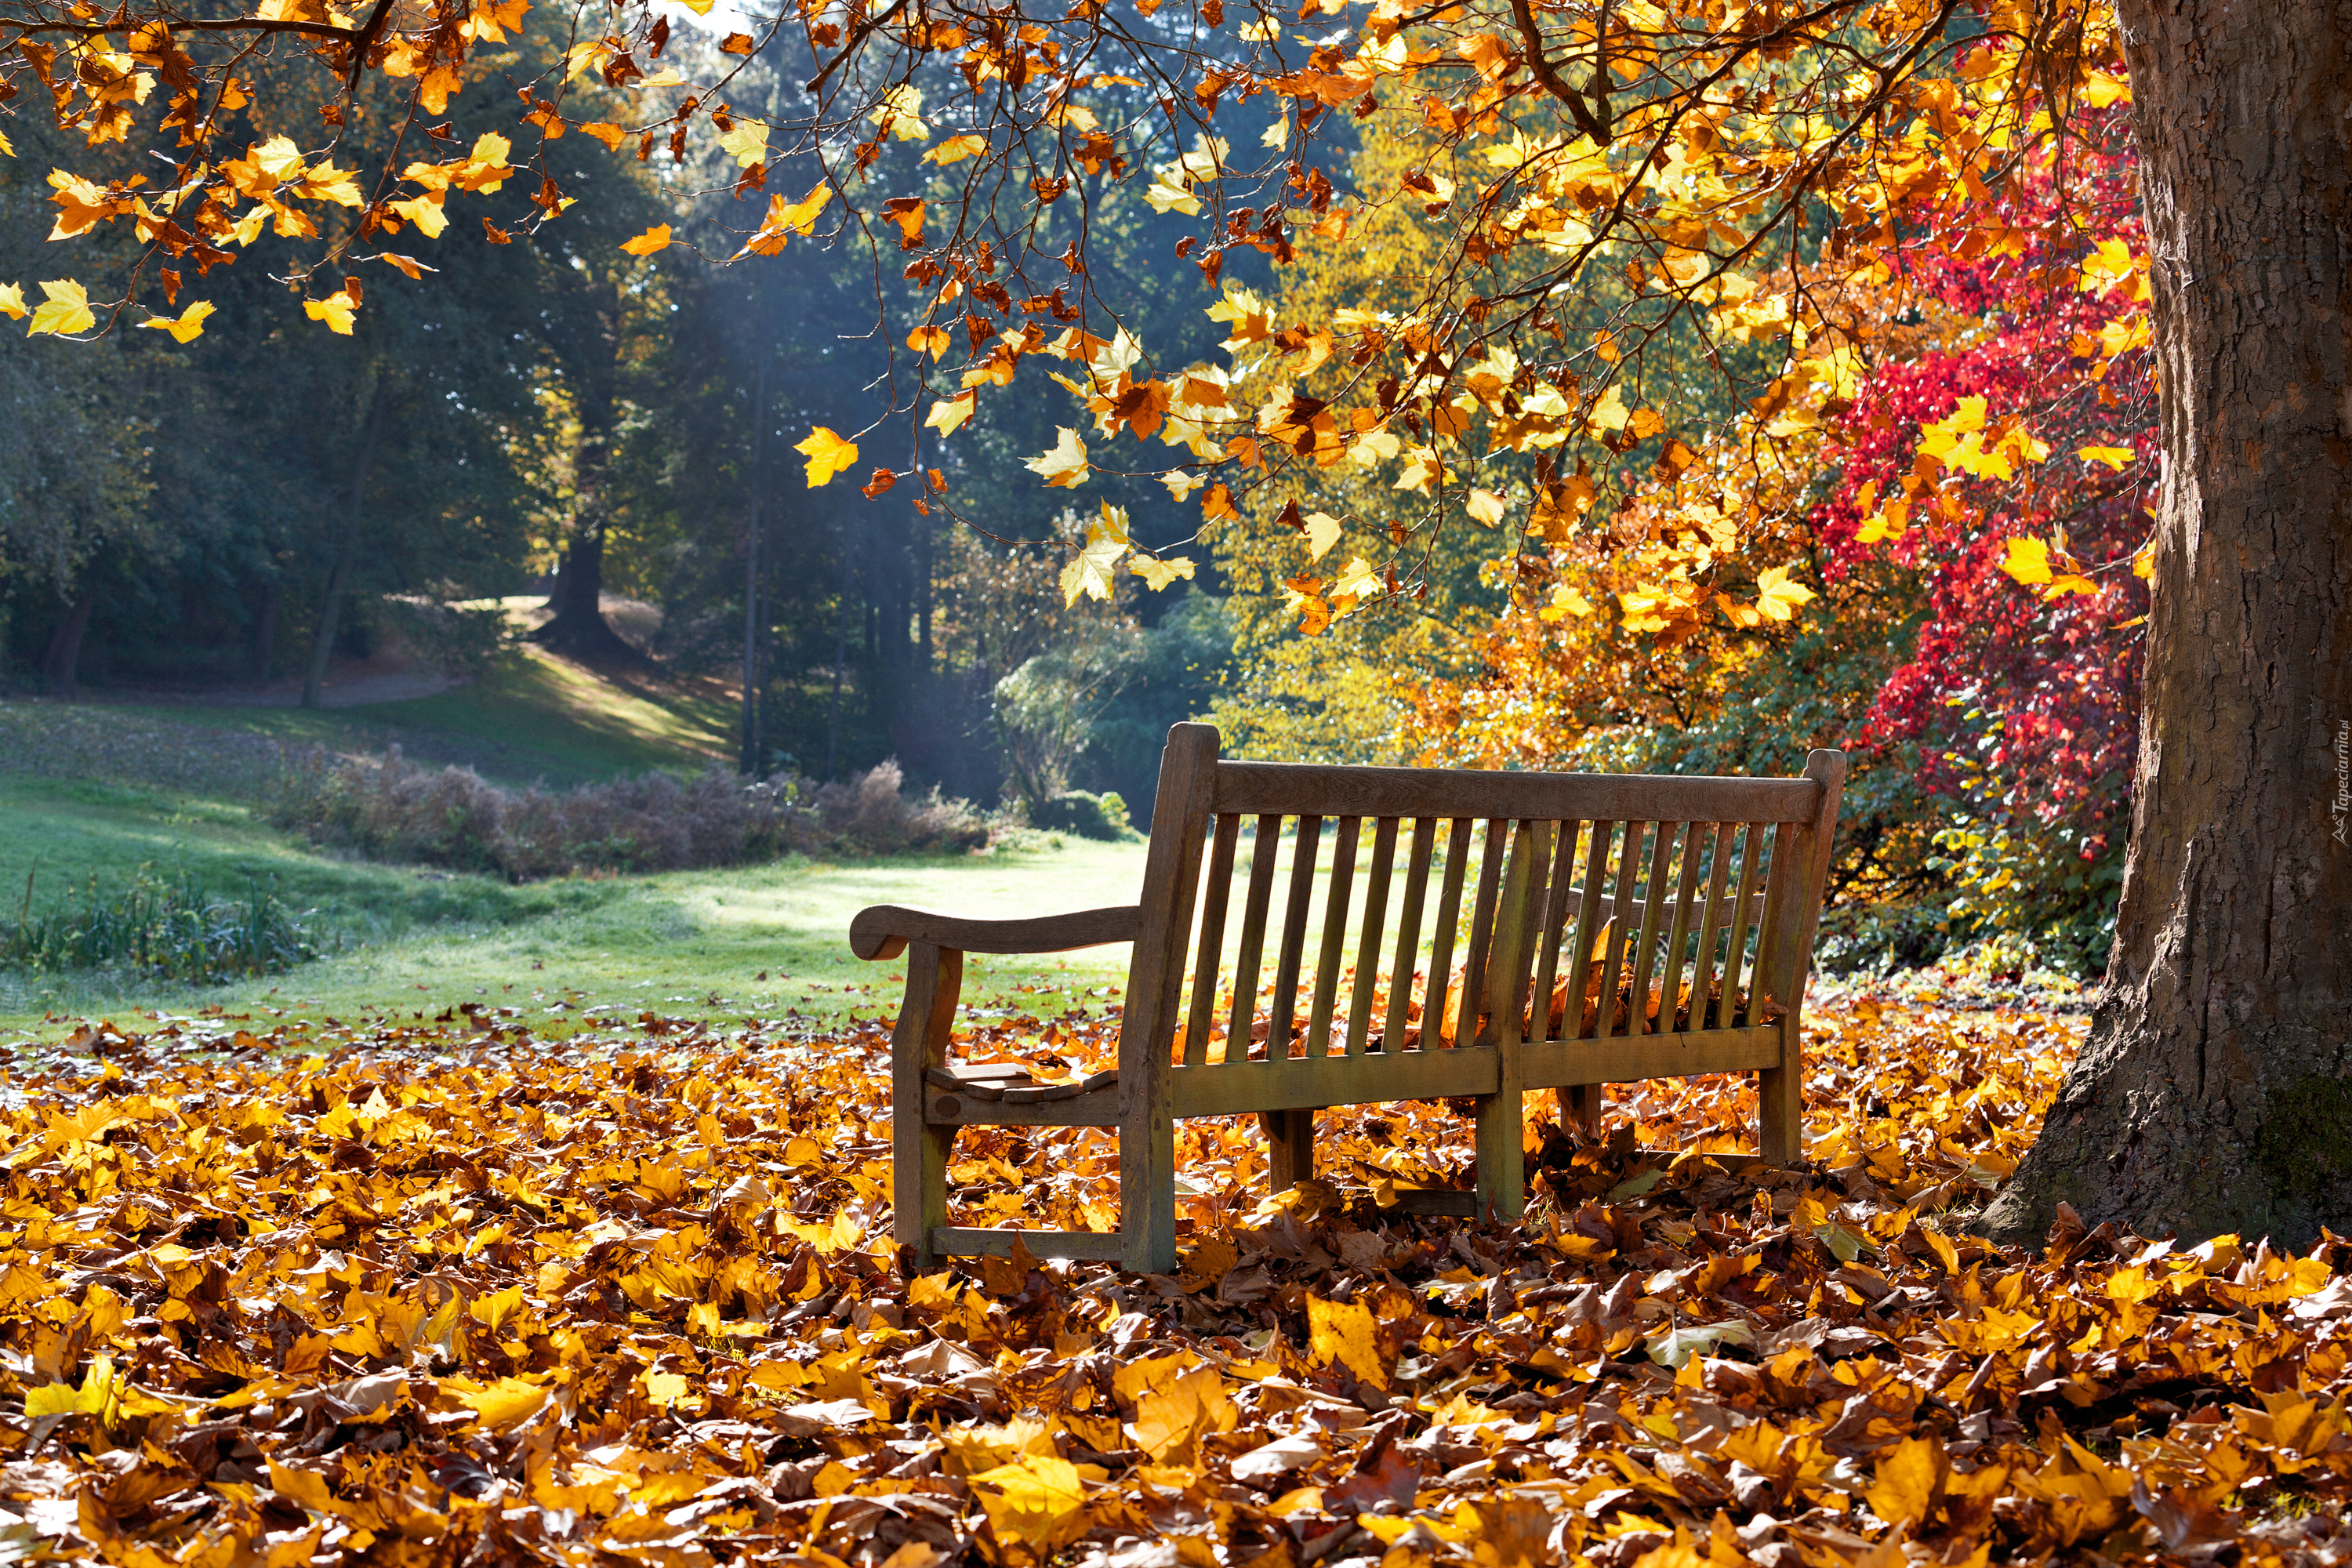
{"x": 490, "y": 1289}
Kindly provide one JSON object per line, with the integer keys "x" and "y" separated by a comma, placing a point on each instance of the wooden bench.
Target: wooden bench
{"x": 1619, "y": 928}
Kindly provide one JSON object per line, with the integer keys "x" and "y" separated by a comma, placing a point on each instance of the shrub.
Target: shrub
{"x": 1074, "y": 811}
{"x": 393, "y": 810}
{"x": 172, "y": 929}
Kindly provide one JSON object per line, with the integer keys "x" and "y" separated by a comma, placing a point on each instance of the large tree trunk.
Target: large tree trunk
{"x": 2214, "y": 1092}
{"x": 61, "y": 661}
{"x": 339, "y": 576}
{"x": 578, "y": 627}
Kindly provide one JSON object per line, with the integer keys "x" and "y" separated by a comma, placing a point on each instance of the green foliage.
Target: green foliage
{"x": 169, "y": 928}
{"x": 1101, "y": 816}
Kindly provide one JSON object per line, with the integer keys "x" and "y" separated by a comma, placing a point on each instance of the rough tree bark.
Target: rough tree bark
{"x": 61, "y": 662}
{"x": 2214, "y": 1092}
{"x": 339, "y": 576}
{"x": 578, "y": 627}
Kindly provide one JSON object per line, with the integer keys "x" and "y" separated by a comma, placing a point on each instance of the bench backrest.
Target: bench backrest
{"x": 1553, "y": 907}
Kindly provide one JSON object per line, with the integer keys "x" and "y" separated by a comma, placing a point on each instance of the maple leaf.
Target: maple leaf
{"x": 647, "y": 244}
{"x": 64, "y": 310}
{"x": 948, "y": 415}
{"x": 1343, "y": 1333}
{"x": 188, "y": 326}
{"x": 1158, "y": 573}
{"x": 2113, "y": 457}
{"x": 337, "y": 310}
{"x": 2028, "y": 561}
{"x": 1065, "y": 464}
{"x": 1358, "y": 580}
{"x": 1486, "y": 507}
{"x": 747, "y": 142}
{"x": 956, "y": 149}
{"x": 1777, "y": 597}
{"x": 1091, "y": 572}
{"x": 1323, "y": 531}
{"x": 828, "y": 455}
{"x": 12, "y": 305}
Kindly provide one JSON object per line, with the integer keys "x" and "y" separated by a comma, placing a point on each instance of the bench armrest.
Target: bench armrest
{"x": 883, "y": 931}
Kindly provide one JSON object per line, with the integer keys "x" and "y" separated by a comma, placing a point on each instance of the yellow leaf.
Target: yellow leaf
{"x": 666, "y": 1388}
{"x": 1157, "y": 573}
{"x": 11, "y": 304}
{"x": 1608, "y": 414}
{"x": 1910, "y": 1481}
{"x": 1777, "y": 597}
{"x": 1322, "y": 532}
{"x": 1066, "y": 464}
{"x": 1171, "y": 1414}
{"x": 187, "y": 327}
{"x": 747, "y": 142}
{"x": 336, "y": 310}
{"x": 306, "y": 1487}
{"x": 408, "y": 264}
{"x": 653, "y": 239}
{"x": 956, "y": 149}
{"x": 506, "y": 1403}
{"x": 2113, "y": 457}
{"x": 2028, "y": 561}
{"x": 700, "y": 7}
{"x": 1343, "y": 1333}
{"x": 1358, "y": 580}
{"x": 828, "y": 455}
{"x": 604, "y": 131}
{"x": 1037, "y": 1501}
{"x": 1486, "y": 507}
{"x": 1090, "y": 572}
{"x": 425, "y": 212}
{"x": 947, "y": 416}
{"x": 66, "y": 310}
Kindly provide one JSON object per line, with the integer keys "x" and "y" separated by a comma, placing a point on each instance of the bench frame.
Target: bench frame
{"x": 1527, "y": 893}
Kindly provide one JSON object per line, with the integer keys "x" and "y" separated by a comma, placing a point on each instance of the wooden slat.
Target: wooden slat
{"x": 1776, "y": 917}
{"x": 1449, "y": 917}
{"x": 1751, "y": 850}
{"x": 1646, "y": 950}
{"x": 961, "y": 1241}
{"x": 883, "y": 931}
{"x": 1629, "y": 862}
{"x": 1312, "y": 1082}
{"x": 1507, "y": 994}
{"x": 1589, "y": 922}
{"x": 1297, "y": 789}
{"x": 1408, "y": 948}
{"x": 1334, "y": 949}
{"x": 1483, "y": 922}
{"x": 1244, "y": 1019}
{"x": 1710, "y": 925}
{"x": 1368, "y": 946}
{"x": 1565, "y": 1064}
{"x": 945, "y": 1108}
{"x": 1288, "y": 958}
{"x": 1670, "y": 981}
{"x": 1200, "y": 1021}
{"x": 1561, "y": 884}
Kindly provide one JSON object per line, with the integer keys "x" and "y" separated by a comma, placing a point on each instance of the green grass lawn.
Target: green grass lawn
{"x": 687, "y": 942}
{"x": 533, "y": 717}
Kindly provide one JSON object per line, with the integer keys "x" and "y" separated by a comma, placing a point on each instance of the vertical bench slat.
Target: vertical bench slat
{"x": 1482, "y": 932}
{"x": 1670, "y": 983}
{"x": 1335, "y": 938}
{"x": 1291, "y": 954}
{"x": 1367, "y": 983}
{"x": 1768, "y": 930}
{"x": 1589, "y": 925}
{"x": 1449, "y": 916}
{"x": 1252, "y": 956}
{"x": 1628, "y": 864}
{"x": 1408, "y": 950}
{"x": 1210, "y": 957}
{"x": 1534, "y": 837}
{"x": 1710, "y": 927}
{"x": 1653, "y": 903}
{"x": 1779, "y": 891}
{"x": 1555, "y": 932}
{"x": 1751, "y": 850}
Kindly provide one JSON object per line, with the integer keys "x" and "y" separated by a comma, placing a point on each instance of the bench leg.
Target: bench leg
{"x": 1147, "y": 1193}
{"x": 1580, "y": 1108}
{"x": 1780, "y": 1111}
{"x": 1290, "y": 1147}
{"x": 920, "y": 1150}
{"x": 1502, "y": 1160}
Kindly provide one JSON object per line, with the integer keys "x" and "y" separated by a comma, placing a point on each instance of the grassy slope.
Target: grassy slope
{"x": 689, "y": 942}
{"x": 533, "y": 717}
